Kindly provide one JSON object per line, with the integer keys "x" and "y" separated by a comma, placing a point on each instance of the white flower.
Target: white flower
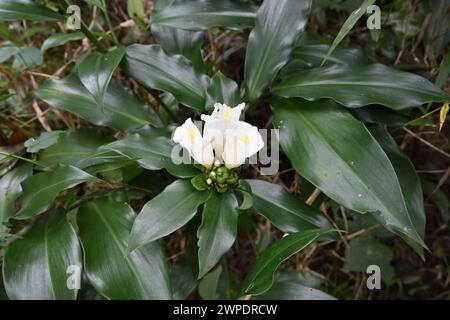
{"x": 189, "y": 137}
{"x": 242, "y": 140}
{"x": 232, "y": 140}
{"x": 217, "y": 123}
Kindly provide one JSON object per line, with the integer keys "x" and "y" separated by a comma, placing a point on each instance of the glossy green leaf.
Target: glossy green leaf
{"x": 218, "y": 230}
{"x": 203, "y": 14}
{"x": 222, "y": 90}
{"x": 278, "y": 24}
{"x": 357, "y": 86}
{"x": 79, "y": 149}
{"x": 96, "y": 70}
{"x": 379, "y": 114}
{"x": 363, "y": 252}
{"x": 40, "y": 190}
{"x": 167, "y": 212}
{"x": 284, "y": 210}
{"x": 36, "y": 266}
{"x": 179, "y": 41}
{"x": 310, "y": 56}
{"x": 407, "y": 176}
{"x": 292, "y": 286}
{"x": 45, "y": 140}
{"x": 10, "y": 190}
{"x": 153, "y": 148}
{"x": 183, "y": 280}
{"x": 247, "y": 195}
{"x": 348, "y": 25}
{"x": 260, "y": 277}
{"x": 27, "y": 10}
{"x": 59, "y": 39}
{"x": 122, "y": 109}
{"x": 153, "y": 68}
{"x": 104, "y": 228}
{"x": 337, "y": 154}
{"x": 209, "y": 285}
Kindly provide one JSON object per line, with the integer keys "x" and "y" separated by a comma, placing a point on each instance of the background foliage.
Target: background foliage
{"x": 85, "y": 125}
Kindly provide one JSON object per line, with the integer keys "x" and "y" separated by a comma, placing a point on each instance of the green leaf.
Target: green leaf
{"x": 379, "y": 114}
{"x": 278, "y": 24}
{"x": 104, "y": 230}
{"x": 348, "y": 25}
{"x": 208, "y": 286}
{"x": 79, "y": 149}
{"x": 27, "y": 10}
{"x": 260, "y": 277}
{"x": 407, "y": 176}
{"x": 310, "y": 56}
{"x": 199, "y": 183}
{"x": 45, "y": 140}
{"x": 358, "y": 86}
{"x": 27, "y": 57}
{"x": 59, "y": 39}
{"x": 122, "y": 109}
{"x": 179, "y": 41}
{"x": 167, "y": 212}
{"x": 96, "y": 3}
{"x": 10, "y": 190}
{"x": 444, "y": 71}
{"x": 337, "y": 154}
{"x": 222, "y": 90}
{"x": 7, "y": 51}
{"x": 363, "y": 252}
{"x": 96, "y": 70}
{"x": 199, "y": 15}
{"x": 247, "y": 195}
{"x": 36, "y": 266}
{"x": 218, "y": 230}
{"x": 183, "y": 280}
{"x": 153, "y": 68}
{"x": 285, "y": 211}
{"x": 292, "y": 286}
{"x": 153, "y": 148}
{"x": 40, "y": 190}
{"x": 136, "y": 11}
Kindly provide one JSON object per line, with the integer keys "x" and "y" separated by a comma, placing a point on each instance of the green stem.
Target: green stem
{"x": 108, "y": 22}
{"x": 93, "y": 39}
{"x": 10, "y": 155}
{"x": 64, "y": 4}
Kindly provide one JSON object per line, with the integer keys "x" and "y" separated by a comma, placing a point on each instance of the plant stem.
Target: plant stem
{"x": 85, "y": 30}
{"x": 93, "y": 39}
{"x": 108, "y": 22}
{"x": 10, "y": 155}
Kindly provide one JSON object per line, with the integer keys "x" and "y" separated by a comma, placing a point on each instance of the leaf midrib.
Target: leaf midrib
{"x": 269, "y": 261}
{"x": 330, "y": 146}
{"x": 120, "y": 246}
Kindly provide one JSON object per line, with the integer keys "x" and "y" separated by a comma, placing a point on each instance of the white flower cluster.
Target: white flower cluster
{"x": 225, "y": 138}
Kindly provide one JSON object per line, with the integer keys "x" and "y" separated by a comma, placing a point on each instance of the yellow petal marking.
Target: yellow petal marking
{"x": 245, "y": 139}
{"x": 227, "y": 114}
{"x": 191, "y": 134}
